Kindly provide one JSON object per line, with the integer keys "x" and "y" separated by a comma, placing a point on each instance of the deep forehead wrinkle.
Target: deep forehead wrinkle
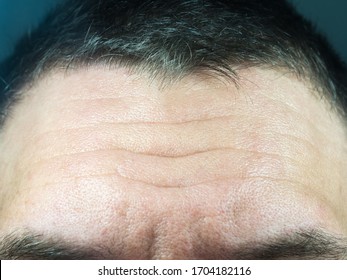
{"x": 97, "y": 142}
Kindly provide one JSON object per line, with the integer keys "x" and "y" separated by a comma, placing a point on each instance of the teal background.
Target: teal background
{"x": 19, "y": 16}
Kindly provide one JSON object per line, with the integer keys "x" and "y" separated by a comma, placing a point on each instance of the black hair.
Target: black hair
{"x": 171, "y": 39}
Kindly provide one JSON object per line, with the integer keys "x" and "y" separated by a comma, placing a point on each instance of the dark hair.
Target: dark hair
{"x": 170, "y": 39}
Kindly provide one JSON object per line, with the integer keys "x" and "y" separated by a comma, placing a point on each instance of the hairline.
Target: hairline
{"x": 168, "y": 63}
{"x": 167, "y": 78}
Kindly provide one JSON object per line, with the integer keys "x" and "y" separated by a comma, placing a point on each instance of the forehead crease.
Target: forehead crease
{"x": 201, "y": 117}
{"x": 278, "y": 130}
{"x": 148, "y": 105}
{"x": 127, "y": 97}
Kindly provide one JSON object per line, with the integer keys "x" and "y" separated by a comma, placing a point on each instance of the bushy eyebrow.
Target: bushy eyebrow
{"x": 39, "y": 247}
{"x": 311, "y": 244}
{"x": 314, "y": 244}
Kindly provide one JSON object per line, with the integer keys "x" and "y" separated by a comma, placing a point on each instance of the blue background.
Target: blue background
{"x": 18, "y": 16}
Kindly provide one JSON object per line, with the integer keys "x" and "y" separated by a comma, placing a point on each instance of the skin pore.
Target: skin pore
{"x": 108, "y": 159}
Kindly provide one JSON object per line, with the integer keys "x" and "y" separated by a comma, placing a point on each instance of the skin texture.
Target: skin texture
{"x": 197, "y": 169}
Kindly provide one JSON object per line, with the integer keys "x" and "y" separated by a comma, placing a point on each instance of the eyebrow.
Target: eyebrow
{"x": 312, "y": 244}
{"x": 30, "y": 246}
{"x": 301, "y": 245}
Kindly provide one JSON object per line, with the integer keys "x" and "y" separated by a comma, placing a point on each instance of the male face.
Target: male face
{"x": 109, "y": 160}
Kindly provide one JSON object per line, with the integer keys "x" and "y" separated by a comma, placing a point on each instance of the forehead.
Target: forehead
{"x": 102, "y": 153}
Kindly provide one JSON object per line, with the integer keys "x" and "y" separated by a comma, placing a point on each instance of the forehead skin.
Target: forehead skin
{"x": 109, "y": 158}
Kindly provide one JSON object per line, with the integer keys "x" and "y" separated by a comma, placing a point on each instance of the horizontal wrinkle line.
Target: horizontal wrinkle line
{"x": 96, "y": 125}
{"x": 290, "y": 136}
{"x": 101, "y": 175}
{"x": 292, "y": 109}
{"x": 176, "y": 122}
{"x": 163, "y": 156}
{"x": 138, "y": 153}
{"x": 297, "y": 183}
{"x": 256, "y": 177}
{"x": 294, "y": 182}
{"x": 113, "y": 173}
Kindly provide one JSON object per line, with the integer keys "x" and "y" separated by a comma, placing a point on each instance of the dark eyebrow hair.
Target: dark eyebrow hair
{"x": 312, "y": 244}
{"x": 31, "y": 246}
